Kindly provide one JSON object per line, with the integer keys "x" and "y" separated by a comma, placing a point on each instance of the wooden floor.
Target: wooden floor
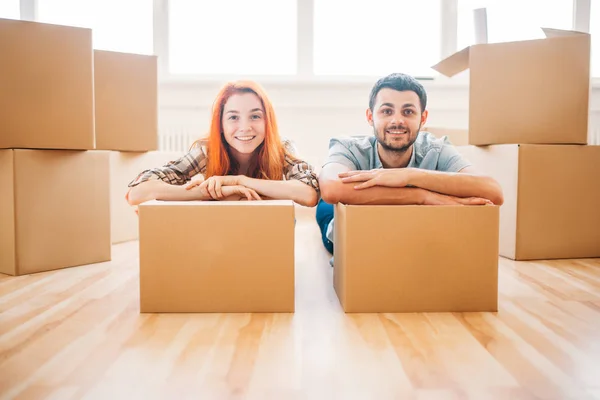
{"x": 78, "y": 333}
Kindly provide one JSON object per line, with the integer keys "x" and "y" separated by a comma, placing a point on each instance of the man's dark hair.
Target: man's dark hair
{"x": 400, "y": 82}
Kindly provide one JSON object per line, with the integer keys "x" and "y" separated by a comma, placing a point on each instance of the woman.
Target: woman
{"x": 243, "y": 157}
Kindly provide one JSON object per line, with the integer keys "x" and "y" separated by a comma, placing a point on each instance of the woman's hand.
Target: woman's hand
{"x": 238, "y": 192}
{"x": 215, "y": 184}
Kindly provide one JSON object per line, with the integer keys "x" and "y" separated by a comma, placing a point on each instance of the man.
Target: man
{"x": 398, "y": 164}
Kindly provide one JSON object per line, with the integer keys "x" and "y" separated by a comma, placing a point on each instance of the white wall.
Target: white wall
{"x": 311, "y": 113}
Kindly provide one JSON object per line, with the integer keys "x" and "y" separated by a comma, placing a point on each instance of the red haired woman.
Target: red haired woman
{"x": 243, "y": 157}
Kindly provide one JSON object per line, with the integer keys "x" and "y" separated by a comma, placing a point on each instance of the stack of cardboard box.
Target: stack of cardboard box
{"x": 126, "y": 114}
{"x": 528, "y": 128}
{"x": 67, "y": 113}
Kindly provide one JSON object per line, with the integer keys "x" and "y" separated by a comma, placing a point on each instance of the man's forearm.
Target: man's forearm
{"x": 336, "y": 191}
{"x": 457, "y": 184}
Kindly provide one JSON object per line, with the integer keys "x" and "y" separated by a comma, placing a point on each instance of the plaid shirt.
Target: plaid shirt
{"x": 182, "y": 170}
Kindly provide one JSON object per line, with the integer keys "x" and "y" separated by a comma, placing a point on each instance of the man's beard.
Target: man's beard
{"x": 403, "y": 149}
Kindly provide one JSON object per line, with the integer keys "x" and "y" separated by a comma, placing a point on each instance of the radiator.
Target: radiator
{"x": 176, "y": 138}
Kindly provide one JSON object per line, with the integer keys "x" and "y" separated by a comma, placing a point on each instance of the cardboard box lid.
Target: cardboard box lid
{"x": 459, "y": 61}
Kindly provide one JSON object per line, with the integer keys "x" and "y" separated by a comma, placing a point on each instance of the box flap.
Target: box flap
{"x": 454, "y": 64}
{"x": 552, "y": 33}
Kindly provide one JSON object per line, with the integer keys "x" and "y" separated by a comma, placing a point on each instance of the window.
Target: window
{"x": 237, "y": 37}
{"x": 10, "y": 9}
{"x": 377, "y": 38}
{"x": 117, "y": 25}
{"x": 512, "y": 20}
{"x": 595, "y": 31}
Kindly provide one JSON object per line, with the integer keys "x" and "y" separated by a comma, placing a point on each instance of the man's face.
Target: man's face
{"x": 396, "y": 119}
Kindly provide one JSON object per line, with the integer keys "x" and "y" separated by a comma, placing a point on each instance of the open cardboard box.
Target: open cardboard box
{"x": 521, "y": 92}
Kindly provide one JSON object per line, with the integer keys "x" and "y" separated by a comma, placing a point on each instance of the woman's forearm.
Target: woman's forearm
{"x": 293, "y": 190}
{"x": 159, "y": 190}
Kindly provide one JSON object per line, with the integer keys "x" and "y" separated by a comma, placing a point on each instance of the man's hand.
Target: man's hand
{"x": 231, "y": 192}
{"x": 398, "y": 177}
{"x": 437, "y": 199}
{"x": 215, "y": 185}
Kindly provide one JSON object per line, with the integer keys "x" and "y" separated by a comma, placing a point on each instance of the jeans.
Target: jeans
{"x": 324, "y": 217}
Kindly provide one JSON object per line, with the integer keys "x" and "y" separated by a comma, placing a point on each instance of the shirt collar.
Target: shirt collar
{"x": 411, "y": 162}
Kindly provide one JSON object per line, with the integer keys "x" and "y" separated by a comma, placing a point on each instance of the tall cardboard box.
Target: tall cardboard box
{"x": 520, "y": 92}
{"x": 416, "y": 258}
{"x": 46, "y": 86}
{"x": 217, "y": 256}
{"x": 54, "y": 208}
{"x": 551, "y": 198}
{"x": 125, "y": 90}
{"x": 124, "y": 167}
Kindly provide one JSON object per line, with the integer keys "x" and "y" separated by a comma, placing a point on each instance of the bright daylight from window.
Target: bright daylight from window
{"x": 237, "y": 37}
{"x": 117, "y": 25}
{"x": 383, "y": 36}
{"x": 10, "y": 9}
{"x": 511, "y": 20}
{"x": 595, "y": 31}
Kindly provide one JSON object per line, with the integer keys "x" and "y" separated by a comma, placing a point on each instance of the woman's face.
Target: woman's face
{"x": 244, "y": 122}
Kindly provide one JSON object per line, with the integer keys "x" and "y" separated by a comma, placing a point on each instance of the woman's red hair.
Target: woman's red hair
{"x": 271, "y": 153}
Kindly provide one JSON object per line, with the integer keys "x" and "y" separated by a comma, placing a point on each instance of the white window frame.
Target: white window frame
{"x": 448, "y": 41}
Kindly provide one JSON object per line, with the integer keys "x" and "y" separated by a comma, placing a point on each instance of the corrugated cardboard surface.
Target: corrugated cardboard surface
{"x": 125, "y": 90}
{"x": 124, "y": 167}
{"x": 62, "y": 209}
{"x": 514, "y": 88}
{"x": 217, "y": 256}
{"x": 417, "y": 258}
{"x": 552, "y": 210}
{"x": 341, "y": 256}
{"x": 46, "y": 86}
{"x": 458, "y": 137}
{"x": 7, "y": 214}
{"x": 559, "y": 202}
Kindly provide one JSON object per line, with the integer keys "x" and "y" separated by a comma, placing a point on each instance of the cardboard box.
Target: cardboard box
{"x": 458, "y": 137}
{"x": 520, "y": 92}
{"x": 125, "y": 90}
{"x": 551, "y": 198}
{"x": 416, "y": 258}
{"x": 46, "y": 86}
{"x": 54, "y": 208}
{"x": 207, "y": 256}
{"x": 124, "y": 167}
